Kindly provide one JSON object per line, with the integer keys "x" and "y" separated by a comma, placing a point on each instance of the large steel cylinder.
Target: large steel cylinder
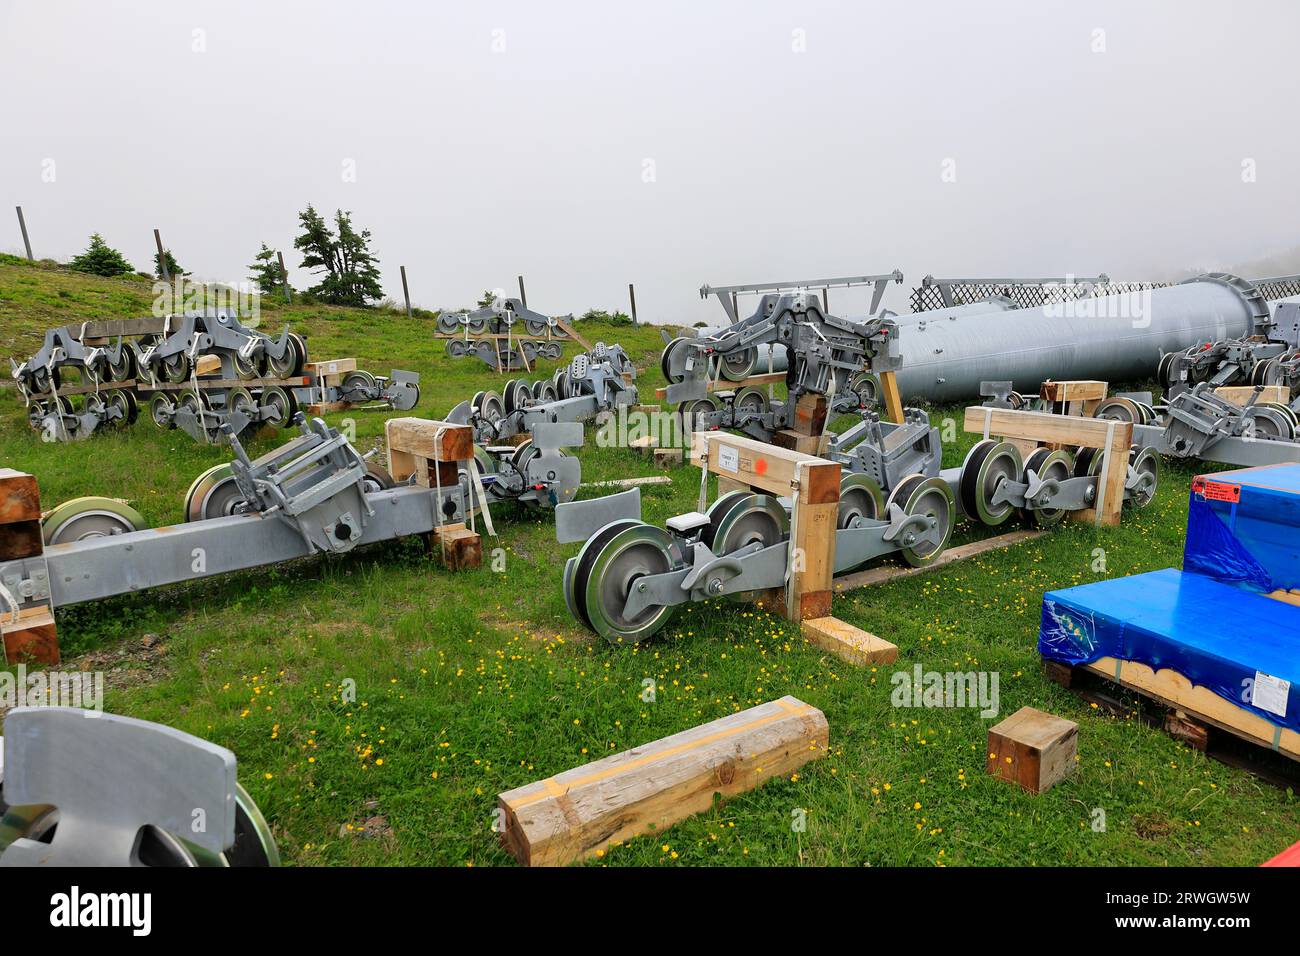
{"x": 1118, "y": 338}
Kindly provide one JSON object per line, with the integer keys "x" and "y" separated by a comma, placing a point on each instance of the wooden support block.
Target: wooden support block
{"x": 20, "y": 500}
{"x": 893, "y": 572}
{"x": 815, "y": 445}
{"x": 31, "y": 638}
{"x": 426, "y": 438}
{"x": 324, "y": 408}
{"x": 332, "y": 367}
{"x": 644, "y": 445}
{"x": 849, "y": 643}
{"x": 760, "y": 465}
{"x": 1075, "y": 390}
{"x": 1241, "y": 394}
{"x": 1191, "y": 732}
{"x": 668, "y": 457}
{"x": 726, "y": 484}
{"x": 893, "y": 399}
{"x": 207, "y": 365}
{"x": 647, "y": 409}
{"x": 460, "y": 548}
{"x": 579, "y": 813}
{"x": 1033, "y": 749}
{"x": 810, "y": 413}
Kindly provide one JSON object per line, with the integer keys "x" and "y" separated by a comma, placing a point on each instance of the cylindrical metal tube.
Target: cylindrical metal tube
{"x": 1118, "y": 338}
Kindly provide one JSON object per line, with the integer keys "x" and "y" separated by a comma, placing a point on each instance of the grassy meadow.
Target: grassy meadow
{"x": 473, "y": 683}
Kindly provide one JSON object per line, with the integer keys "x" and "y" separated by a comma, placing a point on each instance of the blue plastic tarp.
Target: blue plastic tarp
{"x": 1243, "y": 528}
{"x": 1240, "y": 645}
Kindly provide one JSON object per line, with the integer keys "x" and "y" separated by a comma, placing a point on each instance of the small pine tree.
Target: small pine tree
{"x": 486, "y": 299}
{"x": 101, "y": 259}
{"x": 351, "y": 274}
{"x": 173, "y": 267}
{"x": 265, "y": 269}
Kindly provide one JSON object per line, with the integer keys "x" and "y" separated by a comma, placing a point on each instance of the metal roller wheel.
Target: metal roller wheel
{"x": 738, "y": 366}
{"x": 988, "y": 465}
{"x": 123, "y": 369}
{"x": 448, "y": 323}
{"x": 477, "y": 325}
{"x": 1148, "y": 413}
{"x": 124, "y": 402}
{"x": 282, "y": 405}
{"x": 750, "y": 400}
{"x": 633, "y": 553}
{"x": 160, "y": 408}
{"x": 290, "y": 363}
{"x": 360, "y": 383}
{"x": 867, "y": 387}
{"x": 1048, "y": 464}
{"x": 692, "y": 409}
{"x": 246, "y": 367}
{"x": 174, "y": 369}
{"x": 546, "y": 392}
{"x": 456, "y": 348}
{"x": 93, "y": 517}
{"x": 715, "y": 513}
{"x": 753, "y": 518}
{"x": 672, "y": 361}
{"x": 1269, "y": 422}
{"x": 915, "y": 495}
{"x": 861, "y": 499}
{"x": 1120, "y": 410}
{"x": 1165, "y": 370}
{"x": 1146, "y": 462}
{"x": 489, "y": 406}
{"x": 376, "y": 479}
{"x": 214, "y": 494}
{"x": 240, "y": 399}
{"x": 535, "y": 326}
{"x": 581, "y": 567}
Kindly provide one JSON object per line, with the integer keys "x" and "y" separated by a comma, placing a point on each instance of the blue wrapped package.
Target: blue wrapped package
{"x": 1238, "y": 644}
{"x": 1243, "y": 528}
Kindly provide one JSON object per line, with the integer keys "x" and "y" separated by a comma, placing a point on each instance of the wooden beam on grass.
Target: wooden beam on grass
{"x": 581, "y": 812}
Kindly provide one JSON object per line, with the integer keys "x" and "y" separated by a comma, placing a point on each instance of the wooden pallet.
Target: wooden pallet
{"x": 205, "y": 384}
{"x": 1190, "y": 713}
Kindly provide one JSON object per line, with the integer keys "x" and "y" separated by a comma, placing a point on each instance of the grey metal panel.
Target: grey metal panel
{"x": 109, "y": 776}
{"x": 119, "y": 564}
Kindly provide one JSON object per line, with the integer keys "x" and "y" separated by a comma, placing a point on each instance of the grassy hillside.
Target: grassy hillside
{"x": 473, "y": 683}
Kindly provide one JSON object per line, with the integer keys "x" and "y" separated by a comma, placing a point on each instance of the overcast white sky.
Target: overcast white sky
{"x": 781, "y": 140}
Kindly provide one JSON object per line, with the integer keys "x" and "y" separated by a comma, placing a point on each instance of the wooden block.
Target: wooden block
{"x": 1241, "y": 394}
{"x": 647, "y": 409}
{"x": 888, "y": 572}
{"x": 20, "y": 499}
{"x": 460, "y": 548}
{"x": 324, "y": 408}
{"x": 726, "y": 484}
{"x": 426, "y": 438}
{"x": 771, "y": 468}
{"x": 20, "y": 539}
{"x": 644, "y": 445}
{"x": 815, "y": 445}
{"x": 668, "y": 457}
{"x": 1033, "y": 748}
{"x": 849, "y": 643}
{"x": 810, "y": 413}
{"x": 335, "y": 367}
{"x": 814, "y": 540}
{"x": 1182, "y": 727}
{"x": 1075, "y": 390}
{"x": 1059, "y": 673}
{"x": 582, "y": 811}
{"x": 208, "y": 365}
{"x": 31, "y": 638}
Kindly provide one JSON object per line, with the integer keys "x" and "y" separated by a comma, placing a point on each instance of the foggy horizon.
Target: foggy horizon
{"x": 588, "y": 146}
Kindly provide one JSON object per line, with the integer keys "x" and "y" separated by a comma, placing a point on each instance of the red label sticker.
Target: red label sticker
{"x": 1216, "y": 490}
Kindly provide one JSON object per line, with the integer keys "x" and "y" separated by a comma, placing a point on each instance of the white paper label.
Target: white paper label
{"x": 1270, "y": 693}
{"x": 728, "y": 458}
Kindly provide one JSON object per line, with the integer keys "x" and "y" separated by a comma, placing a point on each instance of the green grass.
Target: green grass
{"x": 473, "y": 683}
